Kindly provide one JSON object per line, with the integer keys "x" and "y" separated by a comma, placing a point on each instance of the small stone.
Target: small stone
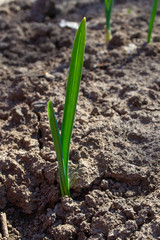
{"x": 130, "y": 213}
{"x": 104, "y": 184}
{"x": 90, "y": 200}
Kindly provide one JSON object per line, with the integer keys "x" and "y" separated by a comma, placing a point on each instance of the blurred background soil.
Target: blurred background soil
{"x": 115, "y": 147}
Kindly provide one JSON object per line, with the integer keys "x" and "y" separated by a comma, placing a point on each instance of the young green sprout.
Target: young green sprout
{"x": 151, "y": 23}
{"x": 108, "y": 12}
{"x": 62, "y": 142}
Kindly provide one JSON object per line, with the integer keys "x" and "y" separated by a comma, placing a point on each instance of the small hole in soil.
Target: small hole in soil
{"x": 39, "y": 118}
{"x": 39, "y": 139}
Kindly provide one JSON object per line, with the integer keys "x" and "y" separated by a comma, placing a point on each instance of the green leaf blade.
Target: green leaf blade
{"x": 152, "y": 18}
{"x": 108, "y": 12}
{"x": 58, "y": 147}
{"x": 74, "y": 78}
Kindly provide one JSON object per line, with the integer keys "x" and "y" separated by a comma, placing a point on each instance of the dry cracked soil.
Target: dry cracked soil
{"x": 115, "y": 147}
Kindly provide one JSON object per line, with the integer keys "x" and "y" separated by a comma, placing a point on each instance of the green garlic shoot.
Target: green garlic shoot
{"x": 62, "y": 142}
{"x": 152, "y": 18}
{"x": 108, "y": 12}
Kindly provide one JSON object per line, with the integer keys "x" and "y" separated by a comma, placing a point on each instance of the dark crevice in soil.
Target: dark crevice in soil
{"x": 144, "y": 190}
{"x": 39, "y": 139}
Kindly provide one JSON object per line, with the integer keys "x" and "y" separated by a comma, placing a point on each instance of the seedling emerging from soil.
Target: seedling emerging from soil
{"x": 62, "y": 142}
{"x": 108, "y": 12}
{"x": 151, "y": 23}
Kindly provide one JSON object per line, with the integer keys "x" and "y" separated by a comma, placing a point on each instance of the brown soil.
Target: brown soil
{"x": 115, "y": 148}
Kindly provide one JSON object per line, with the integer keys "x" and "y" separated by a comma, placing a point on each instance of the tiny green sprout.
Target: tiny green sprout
{"x": 62, "y": 142}
{"x": 108, "y": 12}
{"x": 152, "y": 18}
